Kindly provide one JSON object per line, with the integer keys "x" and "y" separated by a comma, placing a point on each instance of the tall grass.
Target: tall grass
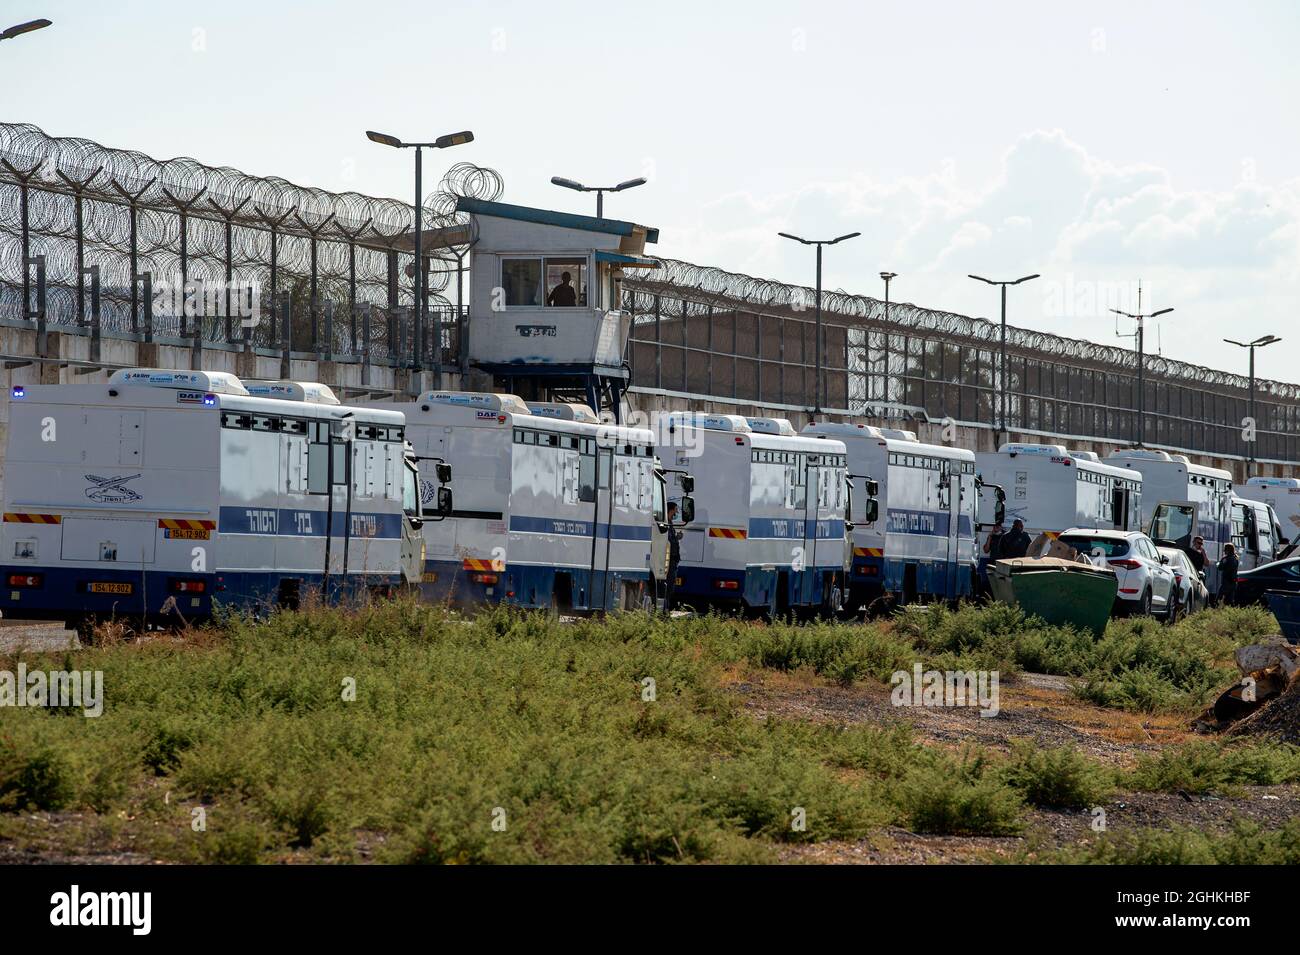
{"x": 405, "y": 733}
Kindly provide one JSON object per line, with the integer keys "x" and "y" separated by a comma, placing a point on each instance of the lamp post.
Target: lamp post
{"x": 598, "y": 190}
{"x": 442, "y": 142}
{"x": 888, "y": 277}
{"x": 1252, "y": 345}
{"x": 21, "y": 28}
{"x": 1141, "y": 357}
{"x": 819, "y": 397}
{"x": 1002, "y": 351}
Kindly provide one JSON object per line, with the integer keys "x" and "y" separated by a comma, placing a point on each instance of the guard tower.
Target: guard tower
{"x": 544, "y": 316}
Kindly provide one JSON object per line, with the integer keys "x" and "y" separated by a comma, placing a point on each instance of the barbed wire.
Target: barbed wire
{"x": 703, "y": 284}
{"x": 71, "y": 188}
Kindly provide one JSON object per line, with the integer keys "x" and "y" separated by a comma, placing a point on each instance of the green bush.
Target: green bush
{"x": 959, "y": 797}
{"x": 1060, "y": 778}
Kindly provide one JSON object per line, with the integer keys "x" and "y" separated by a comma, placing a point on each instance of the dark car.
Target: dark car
{"x": 1281, "y": 575}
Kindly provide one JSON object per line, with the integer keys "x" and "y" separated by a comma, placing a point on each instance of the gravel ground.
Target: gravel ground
{"x": 1033, "y": 706}
{"x": 37, "y": 635}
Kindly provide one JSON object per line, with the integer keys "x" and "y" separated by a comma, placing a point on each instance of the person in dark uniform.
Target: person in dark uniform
{"x": 1228, "y": 565}
{"x": 1014, "y": 543}
{"x": 563, "y": 295}
{"x": 1197, "y": 554}
{"x": 674, "y": 555}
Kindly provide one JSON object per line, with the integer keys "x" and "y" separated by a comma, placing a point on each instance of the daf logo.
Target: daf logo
{"x": 111, "y": 490}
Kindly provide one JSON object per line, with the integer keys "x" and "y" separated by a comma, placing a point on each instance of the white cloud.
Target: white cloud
{"x": 1228, "y": 259}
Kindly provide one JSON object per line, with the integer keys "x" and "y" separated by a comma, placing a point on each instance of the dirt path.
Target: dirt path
{"x": 1033, "y": 706}
{"x": 1038, "y": 707}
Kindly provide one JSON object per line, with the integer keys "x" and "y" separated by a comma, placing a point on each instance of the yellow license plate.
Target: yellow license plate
{"x": 101, "y": 587}
{"x": 187, "y": 535}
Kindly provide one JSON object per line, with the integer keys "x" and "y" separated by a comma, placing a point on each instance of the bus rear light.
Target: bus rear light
{"x": 727, "y": 584}
{"x": 188, "y": 586}
{"x": 484, "y": 578}
{"x": 26, "y": 580}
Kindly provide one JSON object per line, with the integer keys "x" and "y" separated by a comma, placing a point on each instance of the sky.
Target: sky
{"x": 1099, "y": 145}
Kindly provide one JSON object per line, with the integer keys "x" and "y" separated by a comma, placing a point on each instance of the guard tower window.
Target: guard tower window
{"x": 521, "y": 280}
{"x": 536, "y": 282}
{"x": 568, "y": 292}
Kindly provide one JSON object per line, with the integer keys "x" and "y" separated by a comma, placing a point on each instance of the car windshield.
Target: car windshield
{"x": 1105, "y": 546}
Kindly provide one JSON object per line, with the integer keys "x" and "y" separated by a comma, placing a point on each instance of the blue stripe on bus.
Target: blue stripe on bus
{"x": 297, "y": 522}
{"x": 925, "y": 523}
{"x": 568, "y": 528}
{"x": 793, "y": 528}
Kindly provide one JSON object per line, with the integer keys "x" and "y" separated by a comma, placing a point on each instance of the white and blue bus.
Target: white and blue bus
{"x": 921, "y": 543}
{"x": 160, "y": 494}
{"x": 550, "y": 509}
{"x": 769, "y": 535}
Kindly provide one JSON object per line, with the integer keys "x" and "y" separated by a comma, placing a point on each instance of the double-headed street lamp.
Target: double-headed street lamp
{"x": 1142, "y": 362}
{"x": 1257, "y": 343}
{"x": 21, "y": 28}
{"x": 598, "y": 190}
{"x": 442, "y": 142}
{"x": 1002, "y": 359}
{"x": 819, "y": 397}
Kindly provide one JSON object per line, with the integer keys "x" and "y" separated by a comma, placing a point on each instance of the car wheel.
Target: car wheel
{"x": 1173, "y": 609}
{"x": 1143, "y": 608}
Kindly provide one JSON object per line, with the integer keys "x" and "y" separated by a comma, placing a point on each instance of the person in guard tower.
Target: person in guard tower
{"x": 563, "y": 295}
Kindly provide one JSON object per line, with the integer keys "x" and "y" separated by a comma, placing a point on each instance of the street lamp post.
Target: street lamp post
{"x": 888, "y": 277}
{"x": 442, "y": 142}
{"x": 1002, "y": 351}
{"x": 598, "y": 190}
{"x": 818, "y": 398}
{"x": 1141, "y": 362}
{"x": 21, "y": 28}
{"x": 1252, "y": 345}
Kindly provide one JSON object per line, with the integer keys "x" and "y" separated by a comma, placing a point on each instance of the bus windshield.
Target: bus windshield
{"x": 410, "y": 493}
{"x": 1175, "y": 523}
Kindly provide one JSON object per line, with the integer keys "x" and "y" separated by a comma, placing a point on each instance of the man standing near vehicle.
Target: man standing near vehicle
{"x": 1228, "y": 565}
{"x": 988, "y": 554}
{"x": 1014, "y": 544}
{"x": 1197, "y": 554}
{"x": 674, "y": 556}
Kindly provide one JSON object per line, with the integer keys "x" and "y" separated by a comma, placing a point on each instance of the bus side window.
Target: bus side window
{"x": 587, "y": 477}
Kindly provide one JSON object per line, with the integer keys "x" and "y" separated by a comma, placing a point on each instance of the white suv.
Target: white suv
{"x": 1146, "y": 582}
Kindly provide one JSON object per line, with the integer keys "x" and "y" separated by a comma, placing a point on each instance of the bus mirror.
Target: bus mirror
{"x": 872, "y": 510}
{"x": 444, "y": 473}
{"x": 873, "y": 488}
{"x": 688, "y": 509}
{"x": 444, "y": 501}
{"x": 688, "y": 483}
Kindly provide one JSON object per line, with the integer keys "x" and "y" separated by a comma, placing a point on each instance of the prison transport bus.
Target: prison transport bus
{"x": 161, "y": 493}
{"x": 1053, "y": 489}
{"x": 769, "y": 531}
{"x": 550, "y": 512}
{"x": 920, "y": 541}
{"x": 1182, "y": 500}
{"x": 1281, "y": 494}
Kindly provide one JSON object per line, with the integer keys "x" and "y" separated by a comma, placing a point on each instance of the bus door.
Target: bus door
{"x": 602, "y": 517}
{"x": 953, "y": 481}
{"x": 813, "y": 501}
